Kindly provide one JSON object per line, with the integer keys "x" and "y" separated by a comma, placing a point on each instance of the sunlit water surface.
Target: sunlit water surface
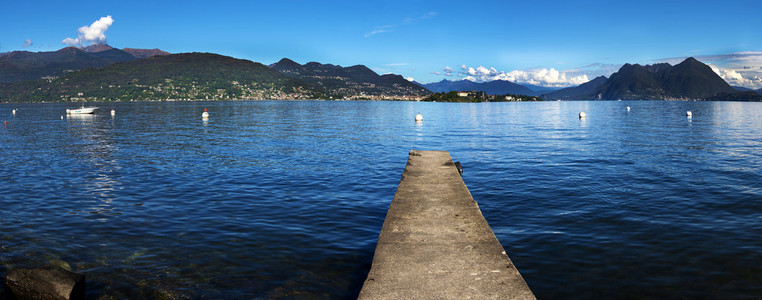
{"x": 285, "y": 199}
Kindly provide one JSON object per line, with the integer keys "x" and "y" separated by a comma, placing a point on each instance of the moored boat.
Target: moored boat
{"x": 81, "y": 110}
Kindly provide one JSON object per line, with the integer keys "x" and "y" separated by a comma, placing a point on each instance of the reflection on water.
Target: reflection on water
{"x": 271, "y": 199}
{"x": 91, "y": 145}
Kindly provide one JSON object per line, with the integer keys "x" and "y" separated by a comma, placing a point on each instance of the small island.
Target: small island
{"x": 475, "y": 96}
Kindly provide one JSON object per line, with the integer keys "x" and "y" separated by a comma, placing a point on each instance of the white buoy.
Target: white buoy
{"x": 689, "y": 113}
{"x": 13, "y": 111}
{"x": 113, "y": 112}
{"x": 628, "y": 108}
{"x": 205, "y": 114}
{"x": 419, "y": 118}
{"x": 61, "y": 117}
{"x": 582, "y": 115}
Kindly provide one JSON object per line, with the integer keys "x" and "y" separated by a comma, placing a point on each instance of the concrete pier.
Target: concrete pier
{"x": 435, "y": 243}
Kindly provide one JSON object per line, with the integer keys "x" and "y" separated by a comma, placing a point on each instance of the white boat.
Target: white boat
{"x": 81, "y": 110}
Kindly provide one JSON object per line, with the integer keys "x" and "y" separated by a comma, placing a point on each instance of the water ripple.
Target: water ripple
{"x": 271, "y": 199}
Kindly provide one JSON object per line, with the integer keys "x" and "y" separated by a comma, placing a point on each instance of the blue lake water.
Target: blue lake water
{"x": 285, "y": 199}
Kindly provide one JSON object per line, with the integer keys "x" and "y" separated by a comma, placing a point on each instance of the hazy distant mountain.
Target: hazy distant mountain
{"x": 759, "y": 91}
{"x": 143, "y": 53}
{"x": 497, "y": 87}
{"x": 114, "y": 54}
{"x": 582, "y": 91}
{"x": 539, "y": 90}
{"x": 419, "y": 84}
{"x": 349, "y": 81}
{"x": 177, "y": 76}
{"x": 4, "y": 53}
{"x": 741, "y": 89}
{"x": 689, "y": 79}
{"x": 137, "y": 53}
{"x": 97, "y": 48}
{"x": 24, "y": 65}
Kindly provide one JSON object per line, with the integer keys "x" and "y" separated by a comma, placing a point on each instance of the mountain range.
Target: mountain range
{"x": 25, "y": 65}
{"x": 496, "y": 87}
{"x": 198, "y": 76}
{"x": 137, "y": 53}
{"x": 185, "y": 76}
{"x": 688, "y": 80}
{"x": 355, "y": 80}
{"x": 103, "y": 73}
{"x": 577, "y": 92}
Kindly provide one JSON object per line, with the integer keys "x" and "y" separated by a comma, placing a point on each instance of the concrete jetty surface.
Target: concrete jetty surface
{"x": 435, "y": 243}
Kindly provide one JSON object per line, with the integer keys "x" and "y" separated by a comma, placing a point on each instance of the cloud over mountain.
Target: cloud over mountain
{"x": 738, "y": 68}
{"x": 736, "y": 78}
{"x": 542, "y": 77}
{"x": 93, "y": 34}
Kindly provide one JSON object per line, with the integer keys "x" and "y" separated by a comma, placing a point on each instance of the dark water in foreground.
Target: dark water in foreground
{"x": 286, "y": 199}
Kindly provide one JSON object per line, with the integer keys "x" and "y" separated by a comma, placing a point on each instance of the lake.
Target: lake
{"x": 285, "y": 199}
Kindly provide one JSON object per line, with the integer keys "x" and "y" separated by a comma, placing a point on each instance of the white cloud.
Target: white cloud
{"x": 737, "y": 78}
{"x": 93, "y": 34}
{"x": 70, "y": 41}
{"x": 448, "y": 71}
{"x": 379, "y": 29}
{"x": 738, "y": 68}
{"x": 27, "y": 43}
{"x": 734, "y": 60}
{"x": 411, "y": 79}
{"x": 542, "y": 77}
{"x": 429, "y": 15}
{"x": 405, "y": 21}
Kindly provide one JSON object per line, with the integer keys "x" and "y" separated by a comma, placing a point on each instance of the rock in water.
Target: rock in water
{"x": 48, "y": 282}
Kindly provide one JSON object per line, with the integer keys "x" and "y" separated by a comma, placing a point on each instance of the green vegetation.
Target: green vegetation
{"x": 750, "y": 96}
{"x": 23, "y": 65}
{"x": 206, "y": 76}
{"x": 355, "y": 82}
{"x": 188, "y": 76}
{"x": 688, "y": 80}
{"x": 473, "y": 96}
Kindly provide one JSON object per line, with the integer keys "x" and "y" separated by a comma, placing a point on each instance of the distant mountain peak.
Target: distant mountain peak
{"x": 143, "y": 53}
{"x": 577, "y": 92}
{"x": 690, "y": 79}
{"x": 349, "y": 81}
{"x": 69, "y": 49}
{"x": 285, "y": 64}
{"x": 97, "y": 48}
{"x": 288, "y": 61}
{"x": 497, "y": 87}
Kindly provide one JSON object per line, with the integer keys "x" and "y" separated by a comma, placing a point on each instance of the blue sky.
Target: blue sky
{"x": 551, "y": 43}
